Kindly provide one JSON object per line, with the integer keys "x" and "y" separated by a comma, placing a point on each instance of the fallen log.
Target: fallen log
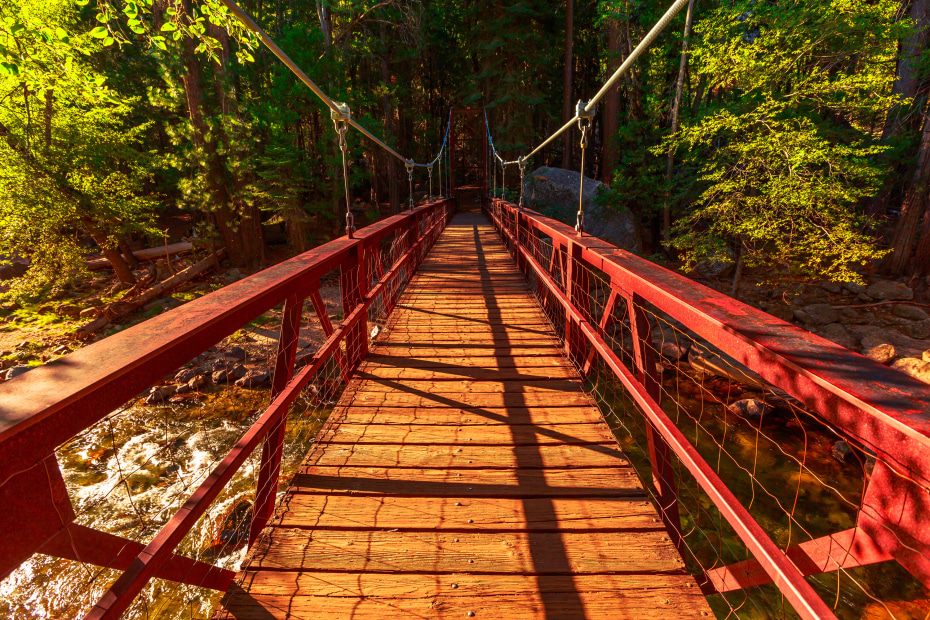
{"x": 97, "y": 264}
{"x": 124, "y": 306}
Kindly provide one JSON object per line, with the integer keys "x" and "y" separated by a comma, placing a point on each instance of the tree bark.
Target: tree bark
{"x": 131, "y": 259}
{"x": 241, "y": 233}
{"x": 49, "y": 109}
{"x": 611, "y": 104}
{"x": 909, "y": 76}
{"x": 567, "y": 112}
{"x": 110, "y": 251}
{"x": 676, "y": 105}
{"x": 393, "y": 190}
{"x": 913, "y": 207}
{"x": 906, "y": 86}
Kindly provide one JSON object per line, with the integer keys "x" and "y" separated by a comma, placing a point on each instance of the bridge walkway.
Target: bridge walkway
{"x": 464, "y": 473}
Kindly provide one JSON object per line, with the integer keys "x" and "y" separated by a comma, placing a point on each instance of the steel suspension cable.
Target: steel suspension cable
{"x": 334, "y": 106}
{"x": 586, "y": 110}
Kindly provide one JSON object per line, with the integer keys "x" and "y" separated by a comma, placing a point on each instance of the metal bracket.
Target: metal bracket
{"x": 343, "y": 115}
{"x": 580, "y": 110}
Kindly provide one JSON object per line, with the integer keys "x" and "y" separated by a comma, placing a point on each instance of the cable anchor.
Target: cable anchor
{"x": 584, "y": 124}
{"x": 341, "y": 118}
{"x": 408, "y": 163}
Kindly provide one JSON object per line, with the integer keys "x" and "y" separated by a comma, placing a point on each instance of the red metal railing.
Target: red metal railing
{"x": 44, "y": 408}
{"x": 884, "y": 412}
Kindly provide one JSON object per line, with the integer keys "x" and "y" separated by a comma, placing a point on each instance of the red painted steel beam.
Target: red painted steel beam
{"x": 779, "y": 567}
{"x": 150, "y": 560}
{"x": 878, "y": 407}
{"x": 85, "y": 544}
{"x": 847, "y": 549}
{"x": 42, "y": 409}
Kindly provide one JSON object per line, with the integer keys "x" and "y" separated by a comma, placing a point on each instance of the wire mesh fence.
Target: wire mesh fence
{"x": 804, "y": 481}
{"x": 131, "y": 475}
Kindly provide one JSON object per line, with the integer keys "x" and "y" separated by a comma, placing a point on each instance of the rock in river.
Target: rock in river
{"x": 254, "y": 378}
{"x": 229, "y": 374}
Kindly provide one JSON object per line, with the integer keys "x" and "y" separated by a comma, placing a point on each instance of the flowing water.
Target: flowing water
{"x": 129, "y": 474}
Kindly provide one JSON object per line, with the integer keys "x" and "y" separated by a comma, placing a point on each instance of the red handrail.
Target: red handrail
{"x": 44, "y": 408}
{"x": 877, "y": 407}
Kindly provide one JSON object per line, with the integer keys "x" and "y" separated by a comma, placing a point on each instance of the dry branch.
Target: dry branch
{"x": 124, "y": 306}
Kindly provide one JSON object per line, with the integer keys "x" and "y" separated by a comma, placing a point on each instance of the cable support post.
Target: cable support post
{"x": 341, "y": 115}
{"x": 429, "y": 170}
{"x": 584, "y": 116}
{"x": 410, "y": 165}
{"x": 521, "y": 162}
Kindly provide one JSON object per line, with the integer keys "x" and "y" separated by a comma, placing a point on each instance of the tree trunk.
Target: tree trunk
{"x": 49, "y": 109}
{"x": 611, "y": 104}
{"x": 676, "y": 104}
{"x": 131, "y": 259}
{"x": 393, "y": 189}
{"x": 913, "y": 207}
{"x": 906, "y": 86}
{"x": 110, "y": 251}
{"x": 567, "y": 112}
{"x": 243, "y": 245}
{"x": 909, "y": 76}
{"x": 922, "y": 260}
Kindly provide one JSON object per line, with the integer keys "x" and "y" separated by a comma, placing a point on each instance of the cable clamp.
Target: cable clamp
{"x": 581, "y": 113}
{"x": 350, "y": 224}
{"x": 342, "y": 113}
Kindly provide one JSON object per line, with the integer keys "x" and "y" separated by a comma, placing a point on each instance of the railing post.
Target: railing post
{"x": 576, "y": 290}
{"x": 273, "y": 445}
{"x": 354, "y": 283}
{"x": 663, "y": 474}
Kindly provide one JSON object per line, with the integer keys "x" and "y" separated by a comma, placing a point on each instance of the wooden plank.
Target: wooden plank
{"x": 464, "y": 452}
{"x": 466, "y": 456}
{"x": 524, "y": 553}
{"x": 463, "y": 400}
{"x": 280, "y": 596}
{"x": 431, "y": 351}
{"x": 485, "y": 434}
{"x": 617, "y": 482}
{"x": 453, "y": 373}
{"x": 469, "y": 416}
{"x": 389, "y": 512}
{"x": 489, "y": 362}
{"x": 555, "y": 388}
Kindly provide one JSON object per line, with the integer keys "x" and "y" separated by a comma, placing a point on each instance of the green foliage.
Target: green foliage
{"x": 791, "y": 151}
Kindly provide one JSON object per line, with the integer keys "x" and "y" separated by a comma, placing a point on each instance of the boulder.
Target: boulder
{"x": 851, "y": 316}
{"x": 254, "y": 378}
{"x": 926, "y": 355}
{"x": 46, "y": 309}
{"x": 889, "y": 290}
{"x": 555, "y": 191}
{"x": 818, "y": 314}
{"x": 919, "y": 330}
{"x": 234, "y": 354}
{"x": 881, "y": 353}
{"x": 13, "y": 270}
{"x": 233, "y": 275}
{"x": 16, "y": 371}
{"x": 228, "y": 374}
{"x": 907, "y": 311}
{"x": 872, "y": 335}
{"x": 197, "y": 382}
{"x": 160, "y": 394}
{"x": 916, "y": 368}
{"x": 835, "y": 332}
{"x": 674, "y": 351}
{"x": 832, "y": 287}
{"x": 750, "y": 408}
{"x": 184, "y": 375}
{"x": 188, "y": 398}
{"x": 715, "y": 267}
{"x": 69, "y": 310}
{"x": 840, "y": 451}
{"x": 854, "y": 288}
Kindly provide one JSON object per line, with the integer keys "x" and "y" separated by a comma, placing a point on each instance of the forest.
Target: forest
{"x": 788, "y": 134}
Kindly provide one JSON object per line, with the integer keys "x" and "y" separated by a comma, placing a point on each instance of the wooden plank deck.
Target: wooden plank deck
{"x": 465, "y": 474}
